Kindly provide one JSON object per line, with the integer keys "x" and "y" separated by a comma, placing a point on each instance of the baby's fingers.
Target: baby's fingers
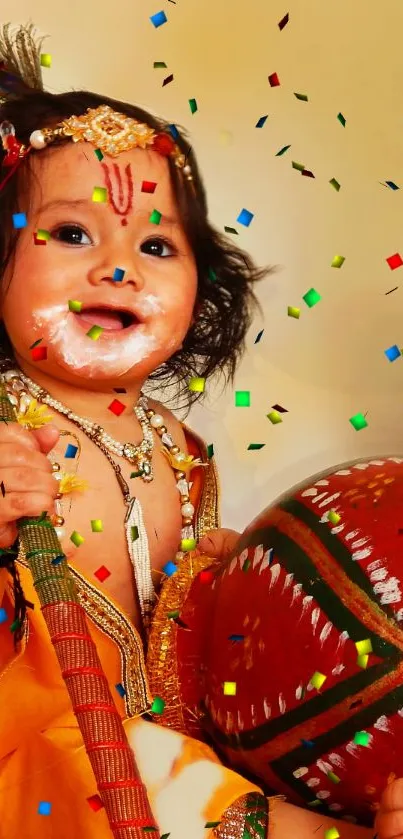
{"x": 389, "y": 821}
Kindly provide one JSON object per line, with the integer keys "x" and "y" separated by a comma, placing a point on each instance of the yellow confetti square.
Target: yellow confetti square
{"x": 75, "y": 306}
{"x": 333, "y": 777}
{"x": 46, "y": 59}
{"x": 99, "y": 194}
{"x": 229, "y": 688}
{"x": 337, "y": 261}
{"x": 362, "y": 661}
{"x": 318, "y": 679}
{"x": 364, "y": 647}
{"x": 334, "y": 517}
{"x": 274, "y": 417}
{"x": 43, "y": 235}
{"x": 96, "y": 526}
{"x": 76, "y": 539}
{"x": 197, "y": 385}
{"x": 332, "y": 833}
{"x": 293, "y": 312}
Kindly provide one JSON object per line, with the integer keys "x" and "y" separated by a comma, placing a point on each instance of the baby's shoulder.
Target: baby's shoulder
{"x": 173, "y": 425}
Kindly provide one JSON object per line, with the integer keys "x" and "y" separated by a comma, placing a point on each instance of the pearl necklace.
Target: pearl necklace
{"x": 138, "y": 548}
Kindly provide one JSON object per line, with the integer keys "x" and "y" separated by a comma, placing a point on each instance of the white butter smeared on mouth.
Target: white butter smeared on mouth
{"x": 107, "y": 319}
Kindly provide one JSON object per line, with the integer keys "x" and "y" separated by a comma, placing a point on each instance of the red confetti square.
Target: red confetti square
{"x": 102, "y": 574}
{"x": 394, "y": 261}
{"x": 206, "y": 576}
{"x": 39, "y": 353}
{"x": 38, "y": 241}
{"x": 95, "y": 803}
{"x": 117, "y": 407}
{"x": 274, "y": 80}
{"x": 148, "y": 186}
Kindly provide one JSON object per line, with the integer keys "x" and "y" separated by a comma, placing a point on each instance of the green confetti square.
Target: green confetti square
{"x": 158, "y": 705}
{"x": 299, "y": 166}
{"x": 246, "y": 565}
{"x": 293, "y": 312}
{"x": 193, "y": 105}
{"x": 46, "y": 59}
{"x": 94, "y": 332}
{"x": 242, "y": 398}
{"x": 212, "y": 275}
{"x": 76, "y": 539}
{"x": 100, "y": 194}
{"x": 254, "y": 447}
{"x": 99, "y": 154}
{"x": 311, "y": 298}
{"x": 96, "y": 526}
{"x": 155, "y": 217}
{"x": 301, "y": 96}
{"x": 358, "y": 422}
{"x": 362, "y": 661}
{"x": 230, "y": 230}
{"x": 333, "y": 517}
{"x": 341, "y": 119}
{"x": 197, "y": 385}
{"x": 361, "y": 738}
{"x": 335, "y": 184}
{"x": 282, "y": 151}
{"x": 75, "y": 306}
{"x": 337, "y": 261}
{"x": 188, "y": 545}
{"x": 274, "y": 417}
{"x": 333, "y": 777}
{"x": 210, "y": 451}
{"x": 134, "y": 532}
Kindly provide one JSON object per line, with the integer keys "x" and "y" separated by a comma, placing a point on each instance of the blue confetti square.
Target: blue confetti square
{"x": 174, "y": 131}
{"x": 118, "y": 275}
{"x": 245, "y": 217}
{"x": 19, "y": 220}
{"x": 260, "y": 123}
{"x": 44, "y": 808}
{"x": 158, "y": 19}
{"x": 71, "y": 450}
{"x": 3, "y": 615}
{"x": 120, "y": 689}
{"x": 391, "y": 185}
{"x": 170, "y": 568}
{"x": 393, "y": 353}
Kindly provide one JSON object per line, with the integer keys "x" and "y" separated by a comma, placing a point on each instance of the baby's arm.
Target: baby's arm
{"x": 289, "y": 822}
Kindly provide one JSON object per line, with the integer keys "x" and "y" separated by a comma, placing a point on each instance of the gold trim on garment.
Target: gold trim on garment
{"x": 247, "y": 816}
{"x": 162, "y": 662}
{"x": 108, "y": 618}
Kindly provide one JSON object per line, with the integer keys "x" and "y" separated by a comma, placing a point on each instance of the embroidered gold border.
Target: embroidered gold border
{"x": 162, "y": 664}
{"x": 109, "y": 620}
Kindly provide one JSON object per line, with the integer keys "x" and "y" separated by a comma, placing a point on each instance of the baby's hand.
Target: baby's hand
{"x": 389, "y": 819}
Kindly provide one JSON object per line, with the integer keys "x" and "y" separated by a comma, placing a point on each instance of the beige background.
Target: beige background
{"x": 329, "y": 364}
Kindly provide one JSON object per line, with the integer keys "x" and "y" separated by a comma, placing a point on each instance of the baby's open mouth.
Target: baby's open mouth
{"x": 112, "y": 319}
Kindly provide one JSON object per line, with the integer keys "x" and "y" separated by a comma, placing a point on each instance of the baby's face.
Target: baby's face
{"x": 89, "y": 240}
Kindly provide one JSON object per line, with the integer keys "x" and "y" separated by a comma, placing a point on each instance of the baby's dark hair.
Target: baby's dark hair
{"x": 225, "y": 302}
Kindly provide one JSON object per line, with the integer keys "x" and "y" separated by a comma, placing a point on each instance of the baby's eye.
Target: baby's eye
{"x": 70, "y": 234}
{"x": 155, "y": 244}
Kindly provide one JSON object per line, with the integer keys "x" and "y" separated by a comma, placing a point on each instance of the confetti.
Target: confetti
{"x": 76, "y": 539}
{"x": 212, "y": 275}
{"x": 394, "y": 261}
{"x": 118, "y": 275}
{"x": 259, "y": 336}
{"x": 210, "y": 450}
{"x": 280, "y": 409}
{"x": 168, "y": 80}
{"x": 120, "y": 689}
{"x": 158, "y": 19}
{"x": 333, "y": 777}
{"x": 39, "y": 354}
{"x": 3, "y": 615}
{"x": 42, "y": 235}
{"x": 309, "y": 744}
{"x": 282, "y": 151}
{"x": 361, "y": 738}
{"x": 301, "y": 96}
{"x": 100, "y": 194}
{"x": 58, "y": 559}
{"x": 335, "y": 184}
{"x": 229, "y": 688}
{"x": 337, "y": 261}
{"x": 19, "y": 220}
{"x": 260, "y": 123}
{"x": 334, "y": 517}
{"x": 46, "y": 59}
{"x": 236, "y": 638}
{"x": 341, "y": 119}
{"x": 134, "y": 532}
{"x": 362, "y": 661}
{"x": 299, "y": 166}
{"x": 246, "y": 565}
{"x": 332, "y": 833}
{"x": 38, "y": 241}
{"x": 212, "y": 824}
{"x": 391, "y": 185}
{"x": 230, "y": 230}
{"x": 102, "y": 574}
{"x": 284, "y": 21}
{"x": 206, "y": 576}
{"x": 75, "y": 306}
{"x": 117, "y": 407}
{"x": 392, "y": 353}
{"x": 293, "y": 312}
{"x": 44, "y": 808}
{"x": 94, "y": 332}
{"x": 364, "y": 647}
{"x": 95, "y": 803}
{"x": 274, "y": 80}
{"x": 158, "y": 705}
{"x": 242, "y": 398}
{"x": 97, "y": 526}
{"x": 149, "y": 187}
{"x": 245, "y": 217}
{"x": 155, "y": 217}
{"x": 255, "y": 446}
{"x": 274, "y": 417}
{"x": 312, "y": 297}
{"x": 317, "y": 680}
{"x": 197, "y": 385}
{"x": 71, "y": 450}
{"x": 188, "y": 545}
{"x": 169, "y": 568}
{"x": 193, "y": 105}
{"x": 358, "y": 422}
{"x": 99, "y": 154}
{"x": 158, "y": 64}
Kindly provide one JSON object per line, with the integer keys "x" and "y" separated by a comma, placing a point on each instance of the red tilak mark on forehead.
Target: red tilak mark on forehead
{"x": 123, "y": 200}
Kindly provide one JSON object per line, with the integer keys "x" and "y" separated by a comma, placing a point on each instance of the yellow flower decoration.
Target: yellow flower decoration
{"x": 183, "y": 465}
{"x": 34, "y": 416}
{"x": 70, "y": 483}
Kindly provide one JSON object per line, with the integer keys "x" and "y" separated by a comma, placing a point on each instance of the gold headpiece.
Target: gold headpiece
{"x": 107, "y": 130}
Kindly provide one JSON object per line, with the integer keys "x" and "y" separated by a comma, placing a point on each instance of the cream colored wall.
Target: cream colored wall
{"x": 329, "y": 364}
